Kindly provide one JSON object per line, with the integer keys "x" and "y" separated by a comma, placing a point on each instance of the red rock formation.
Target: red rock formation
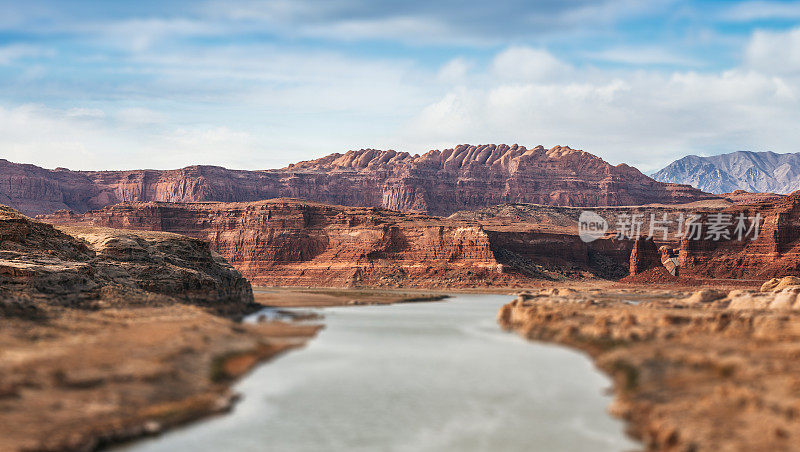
{"x": 290, "y": 242}
{"x": 33, "y": 190}
{"x": 469, "y": 177}
{"x": 438, "y": 182}
{"x": 776, "y": 251}
{"x": 644, "y": 256}
{"x": 742, "y": 197}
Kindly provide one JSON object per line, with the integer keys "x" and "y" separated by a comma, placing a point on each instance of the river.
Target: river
{"x": 414, "y": 377}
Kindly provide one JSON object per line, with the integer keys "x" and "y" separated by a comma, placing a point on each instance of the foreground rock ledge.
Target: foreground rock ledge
{"x": 107, "y": 335}
{"x": 706, "y": 371}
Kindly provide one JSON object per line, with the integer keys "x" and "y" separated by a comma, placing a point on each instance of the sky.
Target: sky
{"x": 260, "y": 84}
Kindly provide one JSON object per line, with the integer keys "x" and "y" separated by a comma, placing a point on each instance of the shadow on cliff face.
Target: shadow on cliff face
{"x": 392, "y": 242}
{"x": 295, "y": 246}
{"x": 554, "y": 256}
{"x": 606, "y": 266}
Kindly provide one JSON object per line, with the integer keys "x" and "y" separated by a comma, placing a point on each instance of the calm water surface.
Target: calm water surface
{"x": 414, "y": 377}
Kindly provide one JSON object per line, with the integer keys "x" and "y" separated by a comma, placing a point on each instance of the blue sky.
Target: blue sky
{"x": 259, "y": 84}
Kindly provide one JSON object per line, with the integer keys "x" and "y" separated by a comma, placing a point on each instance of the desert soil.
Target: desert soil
{"x": 324, "y": 297}
{"x": 85, "y": 379}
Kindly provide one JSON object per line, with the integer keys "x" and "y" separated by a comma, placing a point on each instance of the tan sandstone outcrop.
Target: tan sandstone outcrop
{"x": 42, "y": 265}
{"x": 707, "y": 372}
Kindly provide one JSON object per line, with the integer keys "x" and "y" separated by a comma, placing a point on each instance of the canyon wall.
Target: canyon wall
{"x": 775, "y": 252}
{"x": 287, "y": 242}
{"x": 437, "y": 182}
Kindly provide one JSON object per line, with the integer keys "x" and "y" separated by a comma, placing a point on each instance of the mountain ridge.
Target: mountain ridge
{"x": 438, "y": 182}
{"x": 751, "y": 171}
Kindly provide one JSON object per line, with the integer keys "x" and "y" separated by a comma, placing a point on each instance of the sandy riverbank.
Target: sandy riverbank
{"x": 716, "y": 371}
{"x": 85, "y": 379}
{"x": 325, "y": 297}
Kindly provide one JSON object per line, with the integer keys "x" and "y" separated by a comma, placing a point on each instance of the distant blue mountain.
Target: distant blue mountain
{"x": 742, "y": 170}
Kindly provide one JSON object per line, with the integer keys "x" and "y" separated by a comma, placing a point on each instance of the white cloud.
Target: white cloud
{"x": 85, "y": 113}
{"x": 643, "y": 56}
{"x": 454, "y": 71}
{"x": 204, "y": 137}
{"x": 83, "y": 139}
{"x": 139, "y": 35}
{"x": 426, "y": 22}
{"x": 273, "y": 106}
{"x": 138, "y": 116}
{"x": 414, "y": 29}
{"x": 260, "y": 106}
{"x": 35, "y": 134}
{"x": 774, "y": 52}
{"x": 646, "y": 118}
{"x": 525, "y": 63}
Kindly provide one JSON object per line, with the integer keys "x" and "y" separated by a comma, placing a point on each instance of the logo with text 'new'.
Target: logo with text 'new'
{"x": 591, "y": 226}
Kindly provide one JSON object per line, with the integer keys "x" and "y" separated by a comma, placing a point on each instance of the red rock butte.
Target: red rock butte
{"x": 437, "y": 182}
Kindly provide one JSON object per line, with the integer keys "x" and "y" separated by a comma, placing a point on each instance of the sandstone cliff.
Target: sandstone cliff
{"x": 437, "y": 182}
{"x": 776, "y": 251}
{"x": 289, "y": 242}
{"x": 43, "y": 267}
{"x": 469, "y": 177}
{"x": 644, "y": 256}
{"x": 297, "y": 243}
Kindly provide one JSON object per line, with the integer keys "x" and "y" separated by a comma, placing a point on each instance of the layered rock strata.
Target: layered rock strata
{"x": 291, "y": 242}
{"x": 296, "y": 243}
{"x": 84, "y": 266}
{"x": 740, "y": 255}
{"x": 437, "y": 182}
